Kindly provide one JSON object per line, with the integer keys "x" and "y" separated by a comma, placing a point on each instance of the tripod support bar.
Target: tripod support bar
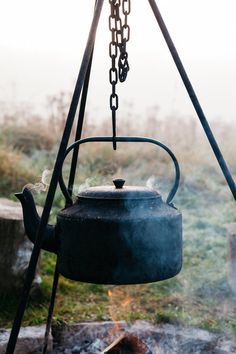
{"x": 194, "y": 99}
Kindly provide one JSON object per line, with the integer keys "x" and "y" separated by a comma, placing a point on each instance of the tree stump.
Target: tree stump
{"x": 231, "y": 245}
{"x": 15, "y": 249}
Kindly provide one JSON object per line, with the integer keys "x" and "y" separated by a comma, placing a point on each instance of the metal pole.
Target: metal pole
{"x": 194, "y": 99}
{"x": 53, "y": 184}
{"x": 51, "y": 308}
{"x": 79, "y": 128}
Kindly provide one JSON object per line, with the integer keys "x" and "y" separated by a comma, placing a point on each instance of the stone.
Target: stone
{"x": 30, "y": 340}
{"x": 15, "y": 249}
{"x": 94, "y": 337}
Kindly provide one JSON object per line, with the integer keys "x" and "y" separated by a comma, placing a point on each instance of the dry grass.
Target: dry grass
{"x": 32, "y": 135}
{"x": 13, "y": 170}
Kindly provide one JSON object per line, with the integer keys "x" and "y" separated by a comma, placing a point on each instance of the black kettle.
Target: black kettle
{"x": 113, "y": 234}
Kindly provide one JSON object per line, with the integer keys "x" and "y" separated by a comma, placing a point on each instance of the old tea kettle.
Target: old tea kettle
{"x": 114, "y": 234}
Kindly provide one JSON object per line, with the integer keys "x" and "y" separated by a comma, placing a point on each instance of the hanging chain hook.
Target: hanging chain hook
{"x": 120, "y": 34}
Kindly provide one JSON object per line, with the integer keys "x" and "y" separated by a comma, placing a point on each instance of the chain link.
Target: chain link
{"x": 120, "y": 35}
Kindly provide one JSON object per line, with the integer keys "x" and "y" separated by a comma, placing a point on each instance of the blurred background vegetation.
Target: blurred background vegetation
{"x": 200, "y": 295}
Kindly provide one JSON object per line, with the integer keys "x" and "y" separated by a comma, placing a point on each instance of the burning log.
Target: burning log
{"x": 127, "y": 344}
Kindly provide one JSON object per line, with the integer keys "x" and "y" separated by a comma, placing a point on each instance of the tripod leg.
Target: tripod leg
{"x": 54, "y": 181}
{"x": 194, "y": 98}
{"x": 51, "y": 308}
{"x": 79, "y": 127}
{"x": 70, "y": 189}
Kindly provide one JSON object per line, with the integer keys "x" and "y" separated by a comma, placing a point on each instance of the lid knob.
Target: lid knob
{"x": 119, "y": 182}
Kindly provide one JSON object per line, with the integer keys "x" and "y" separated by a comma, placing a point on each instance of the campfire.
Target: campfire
{"x": 127, "y": 343}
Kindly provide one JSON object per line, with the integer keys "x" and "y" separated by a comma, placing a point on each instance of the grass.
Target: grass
{"x": 200, "y": 295}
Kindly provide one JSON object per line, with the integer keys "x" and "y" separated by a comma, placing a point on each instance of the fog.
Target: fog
{"x": 41, "y": 46}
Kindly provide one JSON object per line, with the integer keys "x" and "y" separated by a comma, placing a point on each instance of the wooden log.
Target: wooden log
{"x": 15, "y": 249}
{"x": 127, "y": 344}
{"x": 231, "y": 247}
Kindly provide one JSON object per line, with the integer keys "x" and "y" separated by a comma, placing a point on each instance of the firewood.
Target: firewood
{"x": 127, "y": 344}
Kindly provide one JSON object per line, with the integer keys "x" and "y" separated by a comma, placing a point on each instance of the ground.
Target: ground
{"x": 200, "y": 295}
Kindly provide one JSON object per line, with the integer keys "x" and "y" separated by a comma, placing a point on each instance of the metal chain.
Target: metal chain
{"x": 124, "y": 35}
{"x": 120, "y": 34}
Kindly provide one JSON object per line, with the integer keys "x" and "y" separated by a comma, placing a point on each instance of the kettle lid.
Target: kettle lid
{"x": 119, "y": 191}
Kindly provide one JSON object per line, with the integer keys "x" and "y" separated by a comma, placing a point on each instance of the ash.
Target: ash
{"x": 93, "y": 338}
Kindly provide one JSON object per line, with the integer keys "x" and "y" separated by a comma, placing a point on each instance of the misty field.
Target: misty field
{"x": 200, "y": 295}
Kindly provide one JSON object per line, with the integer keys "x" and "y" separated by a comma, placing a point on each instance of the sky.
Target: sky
{"x": 42, "y": 43}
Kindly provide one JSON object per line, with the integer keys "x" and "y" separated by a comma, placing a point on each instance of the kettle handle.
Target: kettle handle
{"x": 122, "y": 139}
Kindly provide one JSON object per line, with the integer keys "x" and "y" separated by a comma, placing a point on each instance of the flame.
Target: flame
{"x": 116, "y": 327}
{"x": 126, "y": 302}
{"x": 119, "y": 301}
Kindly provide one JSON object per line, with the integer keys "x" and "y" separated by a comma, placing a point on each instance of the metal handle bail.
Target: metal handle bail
{"x": 131, "y": 139}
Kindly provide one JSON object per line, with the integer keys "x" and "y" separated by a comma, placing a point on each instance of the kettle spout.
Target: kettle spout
{"x": 32, "y": 221}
